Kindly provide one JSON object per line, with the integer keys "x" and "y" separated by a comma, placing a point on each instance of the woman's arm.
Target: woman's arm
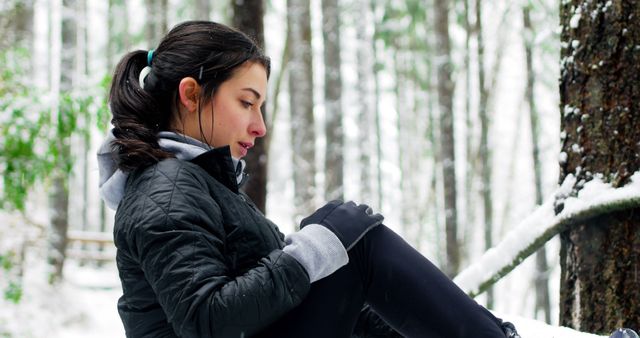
{"x": 179, "y": 240}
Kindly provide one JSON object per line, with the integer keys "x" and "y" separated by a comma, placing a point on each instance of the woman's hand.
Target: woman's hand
{"x": 348, "y": 221}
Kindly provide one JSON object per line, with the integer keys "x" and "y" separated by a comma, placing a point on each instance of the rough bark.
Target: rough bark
{"x": 334, "y": 153}
{"x": 543, "y": 303}
{"x": 445, "y": 101}
{"x": 301, "y": 105}
{"x": 248, "y": 16}
{"x": 599, "y": 101}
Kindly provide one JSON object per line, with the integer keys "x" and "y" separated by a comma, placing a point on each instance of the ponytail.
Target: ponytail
{"x": 137, "y": 116}
{"x": 207, "y": 51}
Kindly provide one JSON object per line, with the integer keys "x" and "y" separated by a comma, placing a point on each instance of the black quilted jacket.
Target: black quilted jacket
{"x": 196, "y": 258}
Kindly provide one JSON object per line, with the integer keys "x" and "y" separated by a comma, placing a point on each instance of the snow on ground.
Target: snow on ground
{"x": 84, "y": 306}
{"x": 529, "y": 328}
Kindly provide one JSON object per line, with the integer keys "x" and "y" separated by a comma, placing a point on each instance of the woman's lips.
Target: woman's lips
{"x": 244, "y": 148}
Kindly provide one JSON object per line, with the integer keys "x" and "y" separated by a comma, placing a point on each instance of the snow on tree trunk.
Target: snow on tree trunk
{"x": 543, "y": 303}
{"x": 334, "y": 162}
{"x": 600, "y": 131}
{"x": 301, "y": 106}
{"x": 248, "y": 16}
{"x": 445, "y": 100}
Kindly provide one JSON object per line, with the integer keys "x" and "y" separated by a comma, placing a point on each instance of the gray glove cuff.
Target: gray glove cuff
{"x": 317, "y": 249}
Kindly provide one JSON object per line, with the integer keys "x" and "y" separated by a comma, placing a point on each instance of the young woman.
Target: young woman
{"x": 197, "y": 259}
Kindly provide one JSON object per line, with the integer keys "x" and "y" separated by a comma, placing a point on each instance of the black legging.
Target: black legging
{"x": 401, "y": 285}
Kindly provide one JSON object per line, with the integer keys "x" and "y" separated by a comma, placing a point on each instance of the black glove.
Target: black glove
{"x": 348, "y": 221}
{"x": 509, "y": 330}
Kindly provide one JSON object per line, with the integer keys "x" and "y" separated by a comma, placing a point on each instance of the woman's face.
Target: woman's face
{"x": 236, "y": 120}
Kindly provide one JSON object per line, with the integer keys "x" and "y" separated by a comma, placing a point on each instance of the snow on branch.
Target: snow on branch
{"x": 595, "y": 198}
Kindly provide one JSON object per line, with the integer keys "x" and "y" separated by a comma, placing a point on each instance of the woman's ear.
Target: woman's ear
{"x": 189, "y": 91}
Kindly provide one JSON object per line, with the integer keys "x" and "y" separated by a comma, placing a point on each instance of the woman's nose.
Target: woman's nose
{"x": 257, "y": 127}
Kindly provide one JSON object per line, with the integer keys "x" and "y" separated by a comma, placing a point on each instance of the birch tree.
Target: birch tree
{"x": 248, "y": 16}
{"x": 301, "y": 105}
{"x": 600, "y": 129}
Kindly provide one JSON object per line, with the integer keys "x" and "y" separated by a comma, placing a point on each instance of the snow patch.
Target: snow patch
{"x": 575, "y": 19}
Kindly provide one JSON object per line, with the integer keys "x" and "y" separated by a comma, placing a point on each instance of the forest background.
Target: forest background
{"x": 453, "y": 118}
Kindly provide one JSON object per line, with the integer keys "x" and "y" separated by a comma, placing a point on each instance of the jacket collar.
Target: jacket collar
{"x": 218, "y": 163}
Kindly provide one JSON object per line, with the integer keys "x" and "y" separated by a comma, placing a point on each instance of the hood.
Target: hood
{"x": 113, "y": 180}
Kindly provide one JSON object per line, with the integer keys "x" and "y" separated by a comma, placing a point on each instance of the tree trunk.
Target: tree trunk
{"x": 118, "y": 32}
{"x": 469, "y": 203}
{"x": 248, "y": 16}
{"x": 543, "y": 303}
{"x": 376, "y": 104}
{"x": 156, "y": 26}
{"x": 24, "y": 23}
{"x": 599, "y": 101}
{"x": 202, "y": 8}
{"x": 334, "y": 162}
{"x": 445, "y": 101}
{"x": 485, "y": 154}
{"x": 59, "y": 198}
{"x": 301, "y": 106}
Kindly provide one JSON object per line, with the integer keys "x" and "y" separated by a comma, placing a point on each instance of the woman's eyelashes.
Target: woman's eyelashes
{"x": 246, "y": 104}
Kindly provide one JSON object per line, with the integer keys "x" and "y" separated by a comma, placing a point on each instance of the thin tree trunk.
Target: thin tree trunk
{"x": 363, "y": 88}
{"x": 248, "y": 16}
{"x": 403, "y": 137}
{"x": 202, "y": 8}
{"x": 469, "y": 204}
{"x": 376, "y": 105}
{"x": 543, "y": 303}
{"x": 334, "y": 159}
{"x": 445, "y": 100}
{"x": 301, "y": 103}
{"x": 599, "y": 102}
{"x": 59, "y": 199}
{"x": 156, "y": 23}
{"x": 485, "y": 155}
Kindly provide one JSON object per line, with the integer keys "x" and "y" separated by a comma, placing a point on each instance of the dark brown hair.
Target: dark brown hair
{"x": 207, "y": 51}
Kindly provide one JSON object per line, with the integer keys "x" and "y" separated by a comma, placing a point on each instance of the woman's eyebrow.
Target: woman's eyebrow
{"x": 255, "y": 92}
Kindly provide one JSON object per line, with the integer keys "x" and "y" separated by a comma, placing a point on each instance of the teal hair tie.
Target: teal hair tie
{"x": 150, "y": 57}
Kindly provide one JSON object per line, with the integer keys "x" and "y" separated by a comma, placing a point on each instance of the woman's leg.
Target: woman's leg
{"x": 414, "y": 296}
{"x": 400, "y": 284}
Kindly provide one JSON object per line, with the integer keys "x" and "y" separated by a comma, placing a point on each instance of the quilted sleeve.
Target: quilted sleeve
{"x": 180, "y": 246}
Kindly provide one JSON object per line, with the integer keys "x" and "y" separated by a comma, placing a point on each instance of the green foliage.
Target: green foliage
{"x": 13, "y": 289}
{"x": 13, "y": 292}
{"x": 34, "y": 138}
